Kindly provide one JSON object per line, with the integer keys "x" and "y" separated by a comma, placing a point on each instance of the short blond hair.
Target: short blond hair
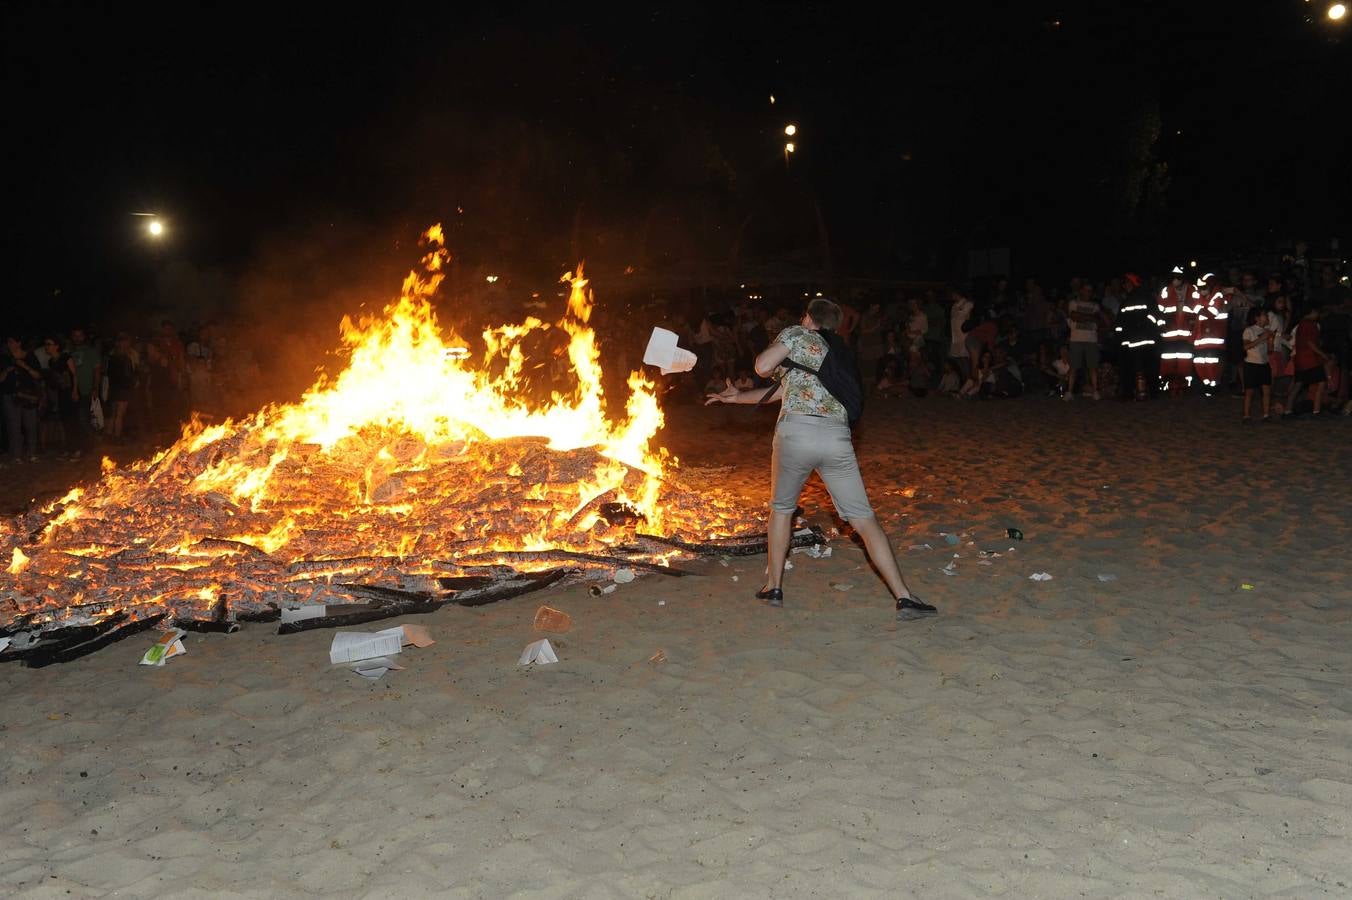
{"x": 825, "y": 313}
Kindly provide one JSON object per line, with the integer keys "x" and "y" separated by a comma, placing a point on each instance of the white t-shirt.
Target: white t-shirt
{"x": 961, "y": 311}
{"x": 1256, "y": 354}
{"x": 1084, "y": 332}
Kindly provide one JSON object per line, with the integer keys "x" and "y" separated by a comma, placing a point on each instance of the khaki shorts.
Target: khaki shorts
{"x": 805, "y": 443}
{"x": 1084, "y": 355}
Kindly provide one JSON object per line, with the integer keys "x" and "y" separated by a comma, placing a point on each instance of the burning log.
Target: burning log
{"x": 227, "y": 544}
{"x": 219, "y": 623}
{"x": 310, "y": 566}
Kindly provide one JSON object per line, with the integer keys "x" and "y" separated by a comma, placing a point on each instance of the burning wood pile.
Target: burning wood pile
{"x": 410, "y": 480}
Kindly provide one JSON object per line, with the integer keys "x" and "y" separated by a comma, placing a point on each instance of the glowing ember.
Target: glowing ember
{"x": 409, "y": 462}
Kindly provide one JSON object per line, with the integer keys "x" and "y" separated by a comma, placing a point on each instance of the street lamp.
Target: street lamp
{"x": 790, "y": 130}
{"x": 1336, "y": 12}
{"x": 155, "y": 226}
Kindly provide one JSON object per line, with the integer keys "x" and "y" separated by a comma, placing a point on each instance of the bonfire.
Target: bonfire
{"x": 416, "y": 476}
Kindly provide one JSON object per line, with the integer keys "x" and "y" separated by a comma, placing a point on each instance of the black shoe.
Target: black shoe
{"x": 914, "y": 608}
{"x": 774, "y": 595}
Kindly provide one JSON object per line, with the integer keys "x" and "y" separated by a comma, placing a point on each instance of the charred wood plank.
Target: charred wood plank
{"x": 506, "y": 589}
{"x": 68, "y": 636}
{"x": 362, "y": 613}
{"x": 575, "y": 556}
{"x": 743, "y": 545}
{"x": 271, "y": 614}
{"x": 47, "y": 657}
{"x": 464, "y": 582}
{"x": 382, "y": 594}
{"x": 206, "y": 626}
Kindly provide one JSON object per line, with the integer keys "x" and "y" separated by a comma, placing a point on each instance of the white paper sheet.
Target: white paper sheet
{"x": 373, "y": 669}
{"x": 540, "y": 652}
{"x": 353, "y": 646}
{"x": 301, "y": 613}
{"x": 166, "y": 648}
{"x": 663, "y": 353}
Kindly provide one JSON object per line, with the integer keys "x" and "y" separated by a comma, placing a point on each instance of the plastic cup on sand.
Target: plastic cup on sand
{"x": 547, "y": 618}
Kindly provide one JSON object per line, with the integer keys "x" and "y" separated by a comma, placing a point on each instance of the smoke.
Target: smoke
{"x": 294, "y": 293}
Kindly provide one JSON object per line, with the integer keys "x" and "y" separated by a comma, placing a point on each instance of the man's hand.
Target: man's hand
{"x": 727, "y": 395}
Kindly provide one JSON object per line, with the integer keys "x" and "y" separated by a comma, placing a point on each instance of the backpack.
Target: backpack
{"x": 839, "y": 374}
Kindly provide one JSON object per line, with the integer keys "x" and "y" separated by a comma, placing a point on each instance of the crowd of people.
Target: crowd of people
{"x": 63, "y": 395}
{"x": 1278, "y": 340}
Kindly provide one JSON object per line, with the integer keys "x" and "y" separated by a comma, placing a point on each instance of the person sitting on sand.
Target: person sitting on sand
{"x": 813, "y": 434}
{"x": 1058, "y": 372}
{"x": 951, "y": 382}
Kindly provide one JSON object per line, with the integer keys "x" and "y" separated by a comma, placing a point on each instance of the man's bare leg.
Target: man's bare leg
{"x": 780, "y": 529}
{"x": 880, "y": 553}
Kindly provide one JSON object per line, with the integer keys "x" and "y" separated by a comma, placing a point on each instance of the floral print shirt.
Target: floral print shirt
{"x": 804, "y": 395}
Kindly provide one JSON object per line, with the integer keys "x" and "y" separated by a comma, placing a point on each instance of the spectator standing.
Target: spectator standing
{"x": 173, "y": 389}
{"x": 20, "y": 397}
{"x": 960, "y": 310}
{"x": 936, "y": 334}
{"x": 86, "y": 368}
{"x": 1279, "y": 356}
{"x": 1083, "y": 315}
{"x": 1309, "y": 360}
{"x": 872, "y": 338}
{"x": 1113, "y": 293}
{"x": 1257, "y": 340}
{"x": 1037, "y": 313}
{"x": 1241, "y": 296}
{"x": 122, "y": 383}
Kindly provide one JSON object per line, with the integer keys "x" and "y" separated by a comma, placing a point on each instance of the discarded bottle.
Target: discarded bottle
{"x": 547, "y": 618}
{"x": 1014, "y": 533}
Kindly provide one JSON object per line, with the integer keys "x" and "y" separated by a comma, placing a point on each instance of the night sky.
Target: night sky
{"x": 1087, "y": 137}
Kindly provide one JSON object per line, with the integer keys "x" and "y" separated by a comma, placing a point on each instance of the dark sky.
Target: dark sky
{"x": 925, "y": 130}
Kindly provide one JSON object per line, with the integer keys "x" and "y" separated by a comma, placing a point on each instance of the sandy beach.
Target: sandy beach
{"x": 1169, "y": 716}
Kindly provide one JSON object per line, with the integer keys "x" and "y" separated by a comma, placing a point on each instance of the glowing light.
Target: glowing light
{"x": 155, "y": 227}
{"x": 492, "y": 279}
{"x": 790, "y": 130}
{"x": 789, "y": 147}
{"x": 1337, "y": 11}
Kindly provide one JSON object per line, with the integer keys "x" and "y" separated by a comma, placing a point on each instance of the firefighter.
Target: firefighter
{"x": 1138, "y": 335}
{"x": 1209, "y": 333}
{"x": 1178, "y": 308}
